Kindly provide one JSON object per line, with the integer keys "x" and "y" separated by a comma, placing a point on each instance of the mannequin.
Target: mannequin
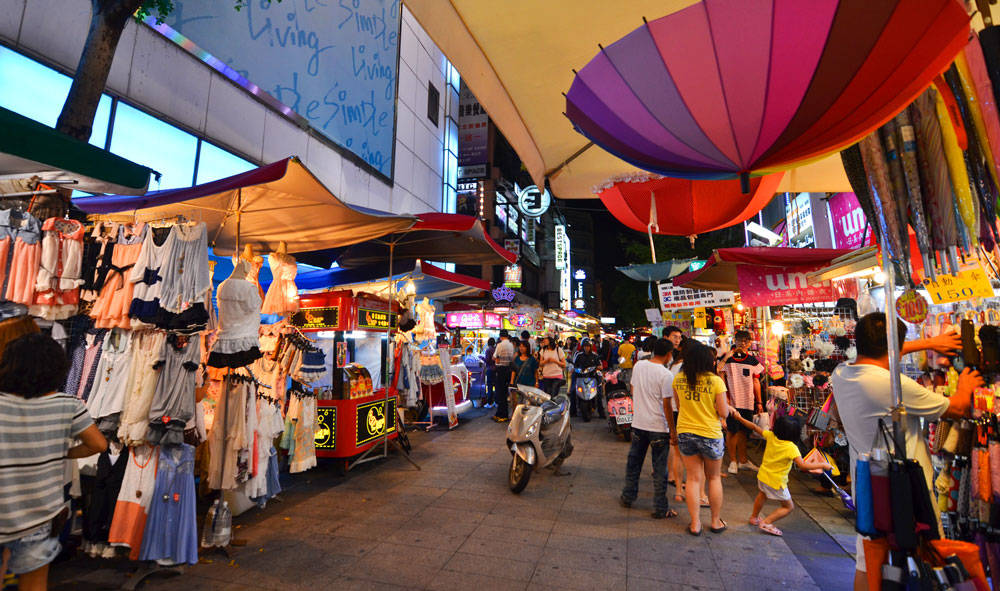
{"x": 256, "y": 261}
{"x": 241, "y": 269}
{"x": 282, "y": 296}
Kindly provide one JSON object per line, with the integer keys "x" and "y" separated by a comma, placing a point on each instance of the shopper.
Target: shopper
{"x": 675, "y": 335}
{"x": 588, "y": 358}
{"x": 646, "y": 350}
{"x": 702, "y": 398}
{"x": 552, "y": 363}
{"x": 626, "y": 352}
{"x": 861, "y": 392}
{"x": 532, "y": 343}
{"x": 37, "y": 426}
{"x": 491, "y": 370}
{"x": 780, "y": 453}
{"x": 676, "y": 468}
{"x": 503, "y": 357}
{"x": 525, "y": 369}
{"x": 652, "y": 427}
{"x": 572, "y": 350}
{"x": 741, "y": 371}
{"x": 605, "y": 353}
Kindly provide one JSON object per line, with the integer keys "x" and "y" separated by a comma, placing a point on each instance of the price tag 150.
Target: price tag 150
{"x": 966, "y": 285}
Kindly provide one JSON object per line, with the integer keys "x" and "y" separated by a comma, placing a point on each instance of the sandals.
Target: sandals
{"x": 755, "y": 521}
{"x": 719, "y": 530}
{"x": 704, "y": 502}
{"x": 768, "y": 528}
{"x": 693, "y": 533}
{"x": 678, "y": 498}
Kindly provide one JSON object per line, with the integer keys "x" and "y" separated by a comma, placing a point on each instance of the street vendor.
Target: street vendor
{"x": 862, "y": 395}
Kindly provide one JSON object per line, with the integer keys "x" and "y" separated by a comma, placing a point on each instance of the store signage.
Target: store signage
{"x": 580, "y": 275}
{"x": 473, "y": 320}
{"x": 533, "y": 202}
{"x": 342, "y": 354}
{"x": 679, "y": 298}
{"x": 503, "y": 294}
{"x": 326, "y": 427}
{"x": 966, "y": 285}
{"x": 572, "y": 313}
{"x": 849, "y": 223}
{"x": 377, "y": 319}
{"x": 912, "y": 307}
{"x": 473, "y": 171}
{"x": 579, "y": 304}
{"x": 512, "y": 276}
{"x": 776, "y": 286}
{"x": 696, "y": 266}
{"x": 373, "y": 421}
{"x": 512, "y": 245}
{"x": 607, "y": 320}
{"x": 317, "y": 318}
{"x": 473, "y": 135}
{"x": 562, "y": 247}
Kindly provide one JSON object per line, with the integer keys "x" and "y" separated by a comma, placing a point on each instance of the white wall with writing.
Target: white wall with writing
{"x": 154, "y": 74}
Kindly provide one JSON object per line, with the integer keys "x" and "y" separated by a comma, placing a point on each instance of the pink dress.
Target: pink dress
{"x": 111, "y": 308}
{"x": 282, "y": 295}
{"x": 57, "y": 284}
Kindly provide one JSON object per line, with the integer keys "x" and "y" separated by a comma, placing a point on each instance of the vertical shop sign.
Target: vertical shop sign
{"x": 562, "y": 248}
{"x": 449, "y": 389}
{"x": 473, "y": 135}
{"x": 848, "y": 219}
{"x": 512, "y": 276}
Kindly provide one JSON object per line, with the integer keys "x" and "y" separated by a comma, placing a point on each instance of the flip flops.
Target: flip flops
{"x": 719, "y": 530}
{"x": 768, "y": 528}
{"x": 693, "y": 533}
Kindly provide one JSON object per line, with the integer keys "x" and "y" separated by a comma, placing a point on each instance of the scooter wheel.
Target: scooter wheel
{"x": 520, "y": 473}
{"x": 585, "y": 410}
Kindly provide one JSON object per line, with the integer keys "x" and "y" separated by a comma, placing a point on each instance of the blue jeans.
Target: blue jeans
{"x": 660, "y": 444}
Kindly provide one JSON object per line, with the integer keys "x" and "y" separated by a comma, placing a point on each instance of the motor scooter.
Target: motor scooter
{"x": 619, "y": 405}
{"x": 538, "y": 435}
{"x": 589, "y": 385}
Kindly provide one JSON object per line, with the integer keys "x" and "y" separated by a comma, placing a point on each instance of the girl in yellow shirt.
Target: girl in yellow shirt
{"x": 772, "y": 478}
{"x": 701, "y": 396}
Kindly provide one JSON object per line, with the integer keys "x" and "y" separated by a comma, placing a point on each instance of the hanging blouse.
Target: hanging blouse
{"x": 112, "y": 306}
{"x": 282, "y": 295}
{"x": 97, "y": 259}
{"x": 186, "y": 280}
{"x": 238, "y": 342}
{"x": 57, "y": 284}
{"x": 173, "y": 404}
{"x": 147, "y": 277}
{"x": 20, "y": 254}
{"x": 134, "y": 499}
{"x": 91, "y": 359}
{"x": 108, "y": 396}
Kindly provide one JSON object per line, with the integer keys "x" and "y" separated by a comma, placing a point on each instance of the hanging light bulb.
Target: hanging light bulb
{"x": 778, "y": 328}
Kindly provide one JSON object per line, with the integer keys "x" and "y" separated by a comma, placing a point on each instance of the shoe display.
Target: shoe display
{"x": 732, "y": 468}
{"x": 747, "y": 465}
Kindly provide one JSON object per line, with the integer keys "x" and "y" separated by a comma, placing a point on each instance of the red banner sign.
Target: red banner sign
{"x": 775, "y": 286}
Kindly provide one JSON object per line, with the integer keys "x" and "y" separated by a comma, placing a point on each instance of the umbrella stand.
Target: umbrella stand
{"x": 368, "y": 455}
{"x": 895, "y": 387}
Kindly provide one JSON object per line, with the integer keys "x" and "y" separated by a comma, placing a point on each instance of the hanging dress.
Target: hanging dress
{"x": 144, "y": 377}
{"x": 147, "y": 278}
{"x": 228, "y": 436}
{"x": 97, "y": 514}
{"x": 174, "y": 404}
{"x": 134, "y": 499}
{"x": 238, "y": 340}
{"x": 20, "y": 255}
{"x": 304, "y": 438}
{"x": 171, "y": 532}
{"x": 282, "y": 295}
{"x": 111, "y": 307}
{"x": 187, "y": 280}
{"x": 107, "y": 399}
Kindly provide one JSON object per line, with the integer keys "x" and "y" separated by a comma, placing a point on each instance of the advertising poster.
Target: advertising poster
{"x": 679, "y": 298}
{"x": 848, "y": 221}
{"x": 774, "y": 286}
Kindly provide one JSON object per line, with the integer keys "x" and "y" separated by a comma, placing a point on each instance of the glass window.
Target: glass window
{"x": 38, "y": 92}
{"x": 148, "y": 141}
{"x": 216, "y": 163}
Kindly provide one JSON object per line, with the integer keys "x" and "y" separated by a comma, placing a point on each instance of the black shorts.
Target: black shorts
{"x": 734, "y": 426}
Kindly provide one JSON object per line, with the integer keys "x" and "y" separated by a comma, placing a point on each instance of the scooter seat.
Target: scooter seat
{"x": 553, "y": 409}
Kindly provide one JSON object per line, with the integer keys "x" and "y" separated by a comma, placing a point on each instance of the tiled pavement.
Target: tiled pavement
{"x": 454, "y": 525}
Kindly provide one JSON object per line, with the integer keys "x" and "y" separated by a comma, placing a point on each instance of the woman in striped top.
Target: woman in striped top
{"x": 37, "y": 428}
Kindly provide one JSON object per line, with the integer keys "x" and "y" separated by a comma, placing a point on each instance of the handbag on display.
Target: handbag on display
{"x": 820, "y": 417}
{"x": 762, "y": 420}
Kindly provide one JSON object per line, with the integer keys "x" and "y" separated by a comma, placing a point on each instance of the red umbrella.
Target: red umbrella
{"x": 725, "y": 88}
{"x": 685, "y": 207}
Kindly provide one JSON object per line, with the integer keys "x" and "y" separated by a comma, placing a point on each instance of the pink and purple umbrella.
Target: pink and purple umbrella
{"x": 728, "y": 88}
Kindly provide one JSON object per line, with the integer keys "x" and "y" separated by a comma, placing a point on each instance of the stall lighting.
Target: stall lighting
{"x": 739, "y": 307}
{"x": 879, "y": 278}
{"x": 410, "y": 288}
{"x": 778, "y": 328}
{"x": 357, "y": 334}
{"x": 326, "y": 334}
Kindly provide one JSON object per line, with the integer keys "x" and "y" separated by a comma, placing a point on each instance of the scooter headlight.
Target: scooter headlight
{"x": 531, "y": 430}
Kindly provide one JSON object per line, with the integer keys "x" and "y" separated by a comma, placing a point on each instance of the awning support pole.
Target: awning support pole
{"x": 895, "y": 386}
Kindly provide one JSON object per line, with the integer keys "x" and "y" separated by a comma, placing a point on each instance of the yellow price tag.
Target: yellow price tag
{"x": 966, "y": 285}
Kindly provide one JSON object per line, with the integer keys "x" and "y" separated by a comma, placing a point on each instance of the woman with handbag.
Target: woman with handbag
{"x": 552, "y": 362}
{"x": 525, "y": 368}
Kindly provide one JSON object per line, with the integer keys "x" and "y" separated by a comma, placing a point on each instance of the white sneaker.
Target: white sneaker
{"x": 733, "y": 469}
{"x": 747, "y": 465}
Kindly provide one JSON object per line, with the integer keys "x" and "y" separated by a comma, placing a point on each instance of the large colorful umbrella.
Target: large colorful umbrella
{"x": 685, "y": 207}
{"x": 725, "y": 88}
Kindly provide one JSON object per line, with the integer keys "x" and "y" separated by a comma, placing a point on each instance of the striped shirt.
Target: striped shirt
{"x": 35, "y": 434}
{"x": 741, "y": 371}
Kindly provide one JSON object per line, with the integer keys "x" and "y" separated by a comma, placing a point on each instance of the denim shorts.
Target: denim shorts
{"x": 690, "y": 444}
{"x": 33, "y": 551}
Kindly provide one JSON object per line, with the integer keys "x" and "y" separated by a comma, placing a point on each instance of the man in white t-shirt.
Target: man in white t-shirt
{"x": 652, "y": 427}
{"x": 861, "y": 392}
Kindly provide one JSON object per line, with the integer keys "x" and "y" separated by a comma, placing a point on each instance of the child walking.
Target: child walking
{"x": 772, "y": 478}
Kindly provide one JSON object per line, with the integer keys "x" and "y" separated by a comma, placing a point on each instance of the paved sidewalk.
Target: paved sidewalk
{"x": 454, "y": 525}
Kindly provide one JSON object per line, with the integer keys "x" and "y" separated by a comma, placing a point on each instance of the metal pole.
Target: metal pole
{"x": 895, "y": 387}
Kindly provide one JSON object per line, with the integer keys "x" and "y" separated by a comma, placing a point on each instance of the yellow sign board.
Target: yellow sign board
{"x": 966, "y": 285}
